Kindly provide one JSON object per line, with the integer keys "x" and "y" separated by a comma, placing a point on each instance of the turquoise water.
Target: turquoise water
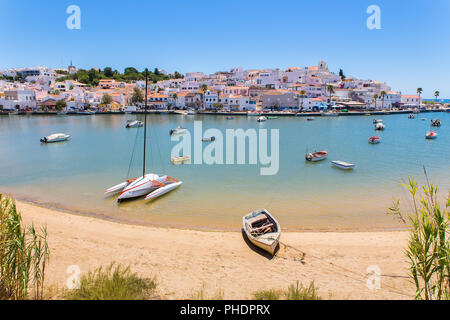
{"x": 73, "y": 175}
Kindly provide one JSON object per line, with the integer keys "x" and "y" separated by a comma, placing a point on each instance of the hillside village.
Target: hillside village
{"x": 312, "y": 88}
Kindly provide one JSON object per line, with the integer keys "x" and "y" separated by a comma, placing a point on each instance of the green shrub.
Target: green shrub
{"x": 293, "y": 292}
{"x": 115, "y": 282}
{"x": 24, "y": 254}
{"x": 202, "y": 295}
{"x": 428, "y": 248}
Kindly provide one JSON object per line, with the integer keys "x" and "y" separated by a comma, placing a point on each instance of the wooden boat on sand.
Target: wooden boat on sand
{"x": 262, "y": 229}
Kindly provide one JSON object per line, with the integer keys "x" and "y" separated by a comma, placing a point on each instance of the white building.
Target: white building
{"x": 19, "y": 100}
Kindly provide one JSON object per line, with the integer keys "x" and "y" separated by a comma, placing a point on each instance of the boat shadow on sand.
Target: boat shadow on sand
{"x": 260, "y": 251}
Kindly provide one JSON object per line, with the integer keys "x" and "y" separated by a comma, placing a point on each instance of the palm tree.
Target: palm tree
{"x": 302, "y": 95}
{"x": 419, "y": 92}
{"x": 436, "y": 95}
{"x": 330, "y": 89}
{"x": 375, "y": 97}
{"x": 383, "y": 94}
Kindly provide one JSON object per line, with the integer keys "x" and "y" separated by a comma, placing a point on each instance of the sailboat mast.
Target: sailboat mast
{"x": 145, "y": 120}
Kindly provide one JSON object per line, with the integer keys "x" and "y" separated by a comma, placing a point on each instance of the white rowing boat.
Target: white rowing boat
{"x": 343, "y": 165}
{"x": 262, "y": 229}
{"x": 135, "y": 124}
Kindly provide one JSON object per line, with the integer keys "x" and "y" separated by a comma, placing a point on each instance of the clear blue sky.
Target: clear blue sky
{"x": 412, "y": 49}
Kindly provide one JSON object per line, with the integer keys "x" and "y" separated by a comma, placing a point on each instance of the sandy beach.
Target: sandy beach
{"x": 184, "y": 261}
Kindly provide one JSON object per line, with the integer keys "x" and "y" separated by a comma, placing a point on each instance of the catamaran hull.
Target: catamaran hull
{"x": 163, "y": 190}
{"x": 117, "y": 188}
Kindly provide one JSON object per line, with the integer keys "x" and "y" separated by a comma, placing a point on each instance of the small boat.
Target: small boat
{"x": 310, "y": 119}
{"x": 367, "y": 114}
{"x": 262, "y": 119}
{"x": 343, "y": 165}
{"x": 272, "y": 117}
{"x": 178, "y": 130}
{"x": 262, "y": 229}
{"x": 180, "y": 160}
{"x": 230, "y": 118}
{"x": 374, "y": 140}
{"x": 57, "y": 137}
{"x": 253, "y": 114}
{"x": 380, "y": 125}
{"x": 209, "y": 139}
{"x": 411, "y": 116}
{"x": 431, "y": 135}
{"x": 86, "y": 113}
{"x": 191, "y": 112}
{"x": 436, "y": 122}
{"x": 134, "y": 124}
{"x": 423, "y": 119}
{"x": 316, "y": 156}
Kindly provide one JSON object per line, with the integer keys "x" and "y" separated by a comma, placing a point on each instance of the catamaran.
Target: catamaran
{"x": 152, "y": 185}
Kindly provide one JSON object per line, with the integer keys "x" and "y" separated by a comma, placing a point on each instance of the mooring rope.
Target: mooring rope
{"x": 392, "y": 289}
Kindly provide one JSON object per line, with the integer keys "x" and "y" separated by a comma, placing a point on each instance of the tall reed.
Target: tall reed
{"x": 24, "y": 254}
{"x": 428, "y": 248}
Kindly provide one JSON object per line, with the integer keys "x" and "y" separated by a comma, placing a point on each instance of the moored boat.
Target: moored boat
{"x": 343, "y": 165}
{"x": 436, "y": 122}
{"x": 209, "y": 139}
{"x": 178, "y": 130}
{"x": 262, "y": 229}
{"x": 374, "y": 140}
{"x": 262, "y": 119}
{"x": 182, "y": 159}
{"x": 56, "y": 137}
{"x": 379, "y": 125}
{"x": 316, "y": 156}
{"x": 134, "y": 124}
{"x": 310, "y": 118}
{"x": 411, "y": 116}
{"x": 230, "y": 118}
{"x": 253, "y": 114}
{"x": 431, "y": 135}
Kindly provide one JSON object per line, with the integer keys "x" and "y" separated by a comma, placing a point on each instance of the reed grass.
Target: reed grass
{"x": 293, "y": 292}
{"x": 24, "y": 254}
{"x": 201, "y": 294}
{"x": 115, "y": 282}
{"x": 428, "y": 249}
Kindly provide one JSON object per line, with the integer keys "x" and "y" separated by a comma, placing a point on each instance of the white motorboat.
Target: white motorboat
{"x": 343, "y": 165}
{"x": 209, "y": 139}
{"x": 262, "y": 229}
{"x": 134, "y": 124}
{"x": 86, "y": 113}
{"x": 56, "y": 137}
{"x": 178, "y": 130}
{"x": 149, "y": 183}
{"x": 380, "y": 125}
{"x": 431, "y": 135}
{"x": 180, "y": 160}
{"x": 262, "y": 119}
{"x": 191, "y": 112}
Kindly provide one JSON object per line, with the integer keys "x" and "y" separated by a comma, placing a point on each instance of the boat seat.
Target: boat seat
{"x": 258, "y": 219}
{"x": 263, "y": 229}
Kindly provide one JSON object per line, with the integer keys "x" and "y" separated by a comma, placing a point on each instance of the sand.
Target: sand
{"x": 185, "y": 261}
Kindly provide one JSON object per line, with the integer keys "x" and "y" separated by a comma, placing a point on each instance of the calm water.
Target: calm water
{"x": 73, "y": 175}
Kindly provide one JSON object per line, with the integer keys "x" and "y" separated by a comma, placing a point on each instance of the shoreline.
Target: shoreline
{"x": 185, "y": 261}
{"x": 232, "y": 113}
{"x": 181, "y": 226}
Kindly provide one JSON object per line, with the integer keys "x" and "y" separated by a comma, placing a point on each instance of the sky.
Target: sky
{"x": 411, "y": 49}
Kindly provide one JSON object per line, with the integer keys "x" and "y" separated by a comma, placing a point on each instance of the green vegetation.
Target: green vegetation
{"x": 112, "y": 283}
{"x": 341, "y": 74}
{"x": 106, "y": 99}
{"x": 428, "y": 248}
{"x": 93, "y": 76}
{"x": 137, "y": 97}
{"x": 60, "y": 105}
{"x": 24, "y": 254}
{"x": 201, "y": 295}
{"x": 293, "y": 292}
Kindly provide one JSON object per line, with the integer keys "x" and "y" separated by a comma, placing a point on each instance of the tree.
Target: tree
{"x": 1, "y": 107}
{"x": 341, "y": 74}
{"x": 330, "y": 90}
{"x": 383, "y": 94}
{"x": 375, "y": 97}
{"x": 436, "y": 95}
{"x": 137, "y": 97}
{"x": 61, "y": 105}
{"x": 106, "y": 99}
{"x": 108, "y": 72}
{"x": 156, "y": 72}
{"x": 204, "y": 87}
{"x": 419, "y": 92}
{"x": 57, "y": 92}
{"x": 302, "y": 95}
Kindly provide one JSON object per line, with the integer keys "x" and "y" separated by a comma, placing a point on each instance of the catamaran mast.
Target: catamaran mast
{"x": 145, "y": 120}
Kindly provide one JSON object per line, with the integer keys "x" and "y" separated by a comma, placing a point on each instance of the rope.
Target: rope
{"x": 393, "y": 290}
{"x": 132, "y": 154}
